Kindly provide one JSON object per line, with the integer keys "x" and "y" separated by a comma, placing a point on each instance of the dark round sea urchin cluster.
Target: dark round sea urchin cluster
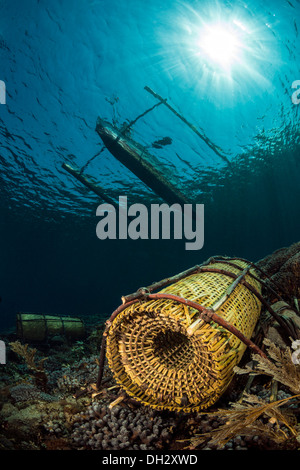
{"x": 102, "y": 428}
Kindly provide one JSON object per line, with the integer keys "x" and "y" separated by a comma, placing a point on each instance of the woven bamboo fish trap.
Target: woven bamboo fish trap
{"x": 40, "y": 327}
{"x": 167, "y": 350}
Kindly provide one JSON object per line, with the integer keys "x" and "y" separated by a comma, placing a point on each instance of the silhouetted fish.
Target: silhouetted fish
{"x": 159, "y": 144}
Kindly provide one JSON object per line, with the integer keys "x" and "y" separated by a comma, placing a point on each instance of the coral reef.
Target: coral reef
{"x": 49, "y": 399}
{"x": 26, "y": 392}
{"x": 73, "y": 414}
{"x": 283, "y": 268}
{"x": 36, "y": 395}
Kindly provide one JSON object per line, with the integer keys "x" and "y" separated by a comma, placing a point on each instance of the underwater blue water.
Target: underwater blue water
{"x": 64, "y": 64}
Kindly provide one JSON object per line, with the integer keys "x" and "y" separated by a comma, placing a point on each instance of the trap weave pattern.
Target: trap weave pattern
{"x": 156, "y": 361}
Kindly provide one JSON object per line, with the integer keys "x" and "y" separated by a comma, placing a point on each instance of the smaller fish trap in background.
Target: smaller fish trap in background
{"x": 40, "y": 327}
{"x": 177, "y": 349}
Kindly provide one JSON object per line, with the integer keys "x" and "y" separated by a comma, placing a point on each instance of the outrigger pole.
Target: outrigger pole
{"x": 89, "y": 184}
{"x": 191, "y": 126}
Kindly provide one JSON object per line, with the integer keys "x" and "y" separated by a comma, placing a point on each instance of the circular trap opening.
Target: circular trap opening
{"x": 173, "y": 349}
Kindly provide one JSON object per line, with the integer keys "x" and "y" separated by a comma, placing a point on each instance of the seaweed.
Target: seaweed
{"x": 251, "y": 416}
{"x": 281, "y": 368}
{"x": 28, "y": 354}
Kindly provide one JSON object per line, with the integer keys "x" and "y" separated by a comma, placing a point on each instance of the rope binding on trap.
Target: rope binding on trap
{"x": 176, "y": 349}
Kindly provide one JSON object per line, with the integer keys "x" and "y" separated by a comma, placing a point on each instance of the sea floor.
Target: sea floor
{"x": 49, "y": 401}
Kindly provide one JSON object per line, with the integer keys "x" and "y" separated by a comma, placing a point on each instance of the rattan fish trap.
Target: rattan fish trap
{"x": 177, "y": 349}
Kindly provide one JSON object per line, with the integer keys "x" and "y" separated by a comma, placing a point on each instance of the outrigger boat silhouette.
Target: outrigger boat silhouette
{"x": 137, "y": 158}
